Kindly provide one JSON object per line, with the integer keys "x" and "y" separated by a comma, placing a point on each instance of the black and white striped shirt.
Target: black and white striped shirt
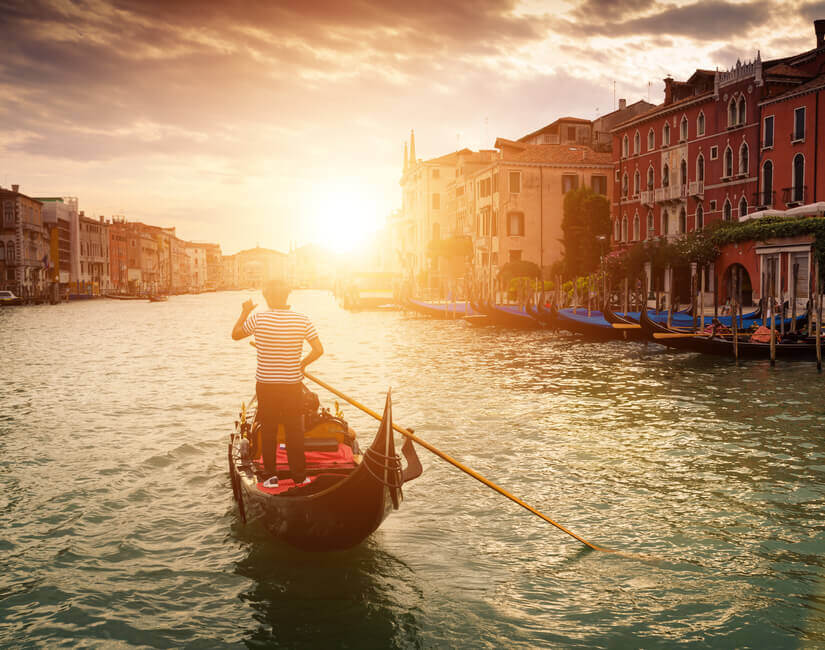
{"x": 279, "y": 337}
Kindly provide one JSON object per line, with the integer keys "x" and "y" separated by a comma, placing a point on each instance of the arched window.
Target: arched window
{"x": 651, "y": 140}
{"x": 743, "y": 207}
{"x": 624, "y": 184}
{"x": 10, "y": 252}
{"x": 650, "y": 177}
{"x": 700, "y": 124}
{"x": 683, "y": 179}
{"x": 700, "y": 168}
{"x": 682, "y": 221}
{"x": 700, "y": 217}
{"x": 624, "y": 146}
{"x": 732, "y": 112}
{"x": 742, "y": 109}
{"x": 637, "y": 143}
{"x": 798, "y": 177}
{"x": 636, "y": 227}
{"x": 664, "y": 227}
{"x": 624, "y": 228}
{"x": 727, "y": 211}
{"x": 617, "y": 230}
{"x": 727, "y": 169}
{"x": 666, "y": 134}
{"x": 665, "y": 175}
{"x": 767, "y": 183}
{"x": 683, "y": 129}
{"x": 744, "y": 162}
{"x": 650, "y": 227}
{"x": 637, "y": 182}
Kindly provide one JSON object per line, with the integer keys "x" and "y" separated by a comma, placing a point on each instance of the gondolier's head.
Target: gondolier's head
{"x": 276, "y": 293}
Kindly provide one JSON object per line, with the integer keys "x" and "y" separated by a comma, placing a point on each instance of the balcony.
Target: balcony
{"x": 646, "y": 197}
{"x": 670, "y": 193}
{"x": 660, "y": 194}
{"x": 793, "y": 196}
{"x": 696, "y": 188}
{"x": 764, "y": 200}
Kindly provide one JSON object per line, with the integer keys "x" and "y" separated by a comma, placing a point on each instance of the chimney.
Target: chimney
{"x": 622, "y": 104}
{"x": 668, "y": 90}
{"x": 819, "y": 28}
{"x": 15, "y": 188}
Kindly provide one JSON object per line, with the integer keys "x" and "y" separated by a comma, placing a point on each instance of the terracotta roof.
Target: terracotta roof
{"x": 558, "y": 154}
{"x": 816, "y": 82}
{"x": 446, "y": 157}
{"x": 575, "y": 120}
{"x": 784, "y": 70}
{"x": 662, "y": 108}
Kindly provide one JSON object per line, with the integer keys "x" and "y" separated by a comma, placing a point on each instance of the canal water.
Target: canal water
{"x": 117, "y": 524}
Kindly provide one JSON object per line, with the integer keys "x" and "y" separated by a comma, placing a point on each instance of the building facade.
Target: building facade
{"x": 26, "y": 244}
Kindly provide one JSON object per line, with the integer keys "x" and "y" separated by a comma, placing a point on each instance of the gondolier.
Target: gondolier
{"x": 279, "y": 336}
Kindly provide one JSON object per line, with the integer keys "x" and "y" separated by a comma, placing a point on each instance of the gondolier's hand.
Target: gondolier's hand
{"x": 247, "y": 307}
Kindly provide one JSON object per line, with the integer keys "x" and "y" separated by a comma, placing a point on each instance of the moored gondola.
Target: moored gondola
{"x": 347, "y": 496}
{"x": 510, "y": 316}
{"x": 594, "y": 326}
{"x": 440, "y": 310}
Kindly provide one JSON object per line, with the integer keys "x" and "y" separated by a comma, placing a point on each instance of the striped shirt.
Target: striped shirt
{"x": 279, "y": 339}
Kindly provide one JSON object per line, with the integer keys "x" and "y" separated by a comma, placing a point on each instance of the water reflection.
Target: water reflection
{"x": 362, "y": 598}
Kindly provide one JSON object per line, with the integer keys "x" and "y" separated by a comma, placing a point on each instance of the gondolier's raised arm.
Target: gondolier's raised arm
{"x": 238, "y": 331}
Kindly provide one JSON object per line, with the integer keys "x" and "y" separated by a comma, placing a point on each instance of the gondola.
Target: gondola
{"x": 510, "y": 316}
{"x": 594, "y": 326}
{"x": 634, "y": 333}
{"x": 543, "y": 315}
{"x": 803, "y": 350}
{"x": 348, "y": 494}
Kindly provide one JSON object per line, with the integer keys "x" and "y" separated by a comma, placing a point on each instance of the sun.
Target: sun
{"x": 344, "y": 218}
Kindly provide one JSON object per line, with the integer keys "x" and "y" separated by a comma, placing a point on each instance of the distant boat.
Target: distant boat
{"x": 158, "y": 298}
{"x": 124, "y": 296}
{"x": 7, "y": 299}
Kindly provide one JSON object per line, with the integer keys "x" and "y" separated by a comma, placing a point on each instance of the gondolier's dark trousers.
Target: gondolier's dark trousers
{"x": 281, "y": 404}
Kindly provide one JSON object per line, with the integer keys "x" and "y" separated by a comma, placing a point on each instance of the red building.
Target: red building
{"x": 722, "y": 146}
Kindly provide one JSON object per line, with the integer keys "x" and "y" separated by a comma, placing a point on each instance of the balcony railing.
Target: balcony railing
{"x": 660, "y": 194}
{"x": 696, "y": 188}
{"x": 764, "y": 200}
{"x": 646, "y": 197}
{"x": 792, "y": 196}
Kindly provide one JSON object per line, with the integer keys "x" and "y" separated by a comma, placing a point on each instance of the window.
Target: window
{"x": 637, "y": 182}
{"x": 8, "y": 213}
{"x": 599, "y": 184}
{"x": 515, "y": 224}
{"x": 798, "y": 190}
{"x": 624, "y": 228}
{"x": 650, "y": 227}
{"x": 571, "y": 133}
{"x": 651, "y": 140}
{"x": 743, "y": 207}
{"x": 617, "y": 230}
{"x": 637, "y": 143}
{"x": 436, "y": 201}
{"x": 732, "y": 112}
{"x": 767, "y": 132}
{"x": 682, "y": 221}
{"x": 569, "y": 182}
{"x": 700, "y": 217}
{"x": 727, "y": 210}
{"x": 624, "y": 146}
{"x": 727, "y": 170}
{"x": 515, "y": 182}
{"x": 436, "y": 173}
{"x": 650, "y": 177}
{"x": 665, "y": 176}
{"x": 683, "y": 129}
{"x": 714, "y": 152}
{"x": 799, "y": 123}
{"x": 515, "y": 256}
{"x": 666, "y": 135}
{"x": 624, "y": 185}
{"x": 700, "y": 124}
{"x": 664, "y": 227}
{"x": 713, "y": 205}
{"x": 700, "y": 168}
{"x": 636, "y": 227}
{"x": 744, "y": 163}
{"x": 683, "y": 175}
{"x": 767, "y": 183}
{"x": 742, "y": 110}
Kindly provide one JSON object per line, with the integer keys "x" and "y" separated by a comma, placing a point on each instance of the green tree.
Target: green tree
{"x": 586, "y": 218}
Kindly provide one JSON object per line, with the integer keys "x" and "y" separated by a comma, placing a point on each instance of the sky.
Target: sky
{"x": 275, "y": 123}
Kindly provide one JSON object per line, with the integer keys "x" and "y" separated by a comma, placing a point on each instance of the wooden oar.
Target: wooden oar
{"x": 675, "y": 335}
{"x": 627, "y": 326}
{"x": 455, "y": 463}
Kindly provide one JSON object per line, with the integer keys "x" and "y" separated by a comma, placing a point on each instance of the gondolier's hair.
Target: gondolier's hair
{"x": 276, "y": 293}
